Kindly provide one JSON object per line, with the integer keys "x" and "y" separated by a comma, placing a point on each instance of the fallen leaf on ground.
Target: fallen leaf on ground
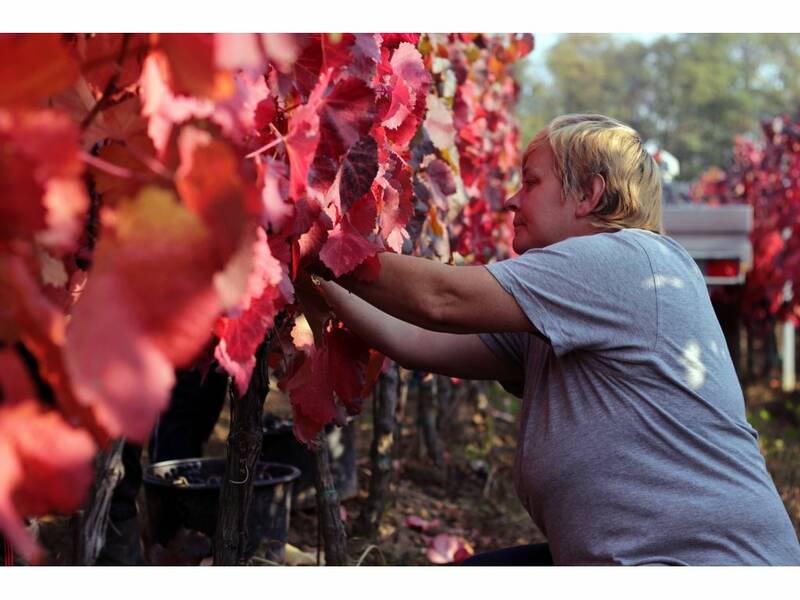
{"x": 445, "y": 548}
{"x": 294, "y": 557}
{"x": 415, "y": 522}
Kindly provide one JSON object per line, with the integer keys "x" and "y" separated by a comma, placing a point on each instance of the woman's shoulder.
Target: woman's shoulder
{"x": 630, "y": 245}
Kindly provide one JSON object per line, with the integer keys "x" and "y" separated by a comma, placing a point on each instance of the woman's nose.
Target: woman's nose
{"x": 512, "y": 203}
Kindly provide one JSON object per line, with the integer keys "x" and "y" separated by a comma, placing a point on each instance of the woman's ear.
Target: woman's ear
{"x": 592, "y": 196}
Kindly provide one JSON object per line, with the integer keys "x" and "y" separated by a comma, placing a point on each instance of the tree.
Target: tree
{"x": 691, "y": 93}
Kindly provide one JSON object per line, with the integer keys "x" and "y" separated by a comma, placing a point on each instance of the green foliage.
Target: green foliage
{"x": 692, "y": 93}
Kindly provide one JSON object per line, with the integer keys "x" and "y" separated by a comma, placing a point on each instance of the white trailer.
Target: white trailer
{"x": 718, "y": 238}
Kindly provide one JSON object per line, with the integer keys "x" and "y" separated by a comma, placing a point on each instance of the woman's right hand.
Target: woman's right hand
{"x": 312, "y": 302}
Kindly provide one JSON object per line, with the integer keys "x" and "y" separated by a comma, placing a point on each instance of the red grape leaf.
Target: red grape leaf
{"x": 405, "y": 132}
{"x": 346, "y": 114}
{"x": 278, "y": 211}
{"x": 409, "y": 88}
{"x": 337, "y": 366}
{"x": 152, "y": 286}
{"x": 345, "y": 249}
{"x": 375, "y": 366}
{"x": 393, "y": 40}
{"x": 365, "y": 55}
{"x": 237, "y": 115}
{"x": 35, "y": 67}
{"x": 99, "y": 56}
{"x": 192, "y": 66}
{"x": 209, "y": 183}
{"x": 308, "y": 66}
{"x": 33, "y": 319}
{"x": 40, "y": 174}
{"x": 265, "y": 113}
{"x": 47, "y": 137}
{"x": 442, "y": 182}
{"x": 407, "y": 64}
{"x": 336, "y": 49}
{"x": 22, "y": 211}
{"x": 353, "y": 55}
{"x": 399, "y": 109}
{"x": 240, "y": 336}
{"x": 120, "y": 121}
{"x": 125, "y": 155}
{"x": 241, "y": 333}
{"x": 521, "y": 45}
{"x": 282, "y": 49}
{"x": 243, "y": 277}
{"x": 439, "y": 123}
{"x": 162, "y": 108}
{"x": 363, "y": 215}
{"x": 348, "y": 356}
{"x": 358, "y": 170}
{"x": 308, "y": 210}
{"x": 302, "y": 335}
{"x": 302, "y": 139}
{"x": 311, "y": 394}
{"x": 393, "y": 190}
{"x": 445, "y": 548}
{"x": 47, "y": 463}
{"x": 308, "y": 245}
{"x": 234, "y": 51}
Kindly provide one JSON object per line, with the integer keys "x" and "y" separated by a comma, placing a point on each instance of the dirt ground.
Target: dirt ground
{"x": 471, "y": 496}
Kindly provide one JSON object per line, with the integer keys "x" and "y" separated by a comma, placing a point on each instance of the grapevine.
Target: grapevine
{"x": 161, "y": 193}
{"x": 766, "y": 175}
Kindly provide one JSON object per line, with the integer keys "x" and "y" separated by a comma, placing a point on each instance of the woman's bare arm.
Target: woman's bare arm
{"x": 456, "y": 355}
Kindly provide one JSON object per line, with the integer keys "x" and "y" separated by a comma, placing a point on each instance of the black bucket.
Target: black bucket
{"x": 193, "y": 502}
{"x": 280, "y": 445}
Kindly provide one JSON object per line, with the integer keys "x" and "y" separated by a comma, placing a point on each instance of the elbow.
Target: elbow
{"x": 442, "y": 315}
{"x": 425, "y": 311}
{"x": 430, "y": 314}
{"x": 438, "y": 310}
{"x": 435, "y": 302}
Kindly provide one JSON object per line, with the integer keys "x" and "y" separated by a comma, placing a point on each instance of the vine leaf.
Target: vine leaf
{"x": 100, "y": 53}
{"x": 47, "y": 463}
{"x": 41, "y": 66}
{"x": 240, "y": 334}
{"x": 345, "y": 249}
{"x": 346, "y": 114}
{"x": 192, "y": 64}
{"x": 152, "y": 286}
{"x": 210, "y": 185}
{"x": 358, "y": 170}
{"x": 40, "y": 175}
{"x": 338, "y": 366}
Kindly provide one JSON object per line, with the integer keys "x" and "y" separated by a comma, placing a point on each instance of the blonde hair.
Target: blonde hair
{"x": 589, "y": 144}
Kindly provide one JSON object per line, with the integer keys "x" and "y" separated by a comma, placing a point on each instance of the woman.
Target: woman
{"x": 633, "y": 447}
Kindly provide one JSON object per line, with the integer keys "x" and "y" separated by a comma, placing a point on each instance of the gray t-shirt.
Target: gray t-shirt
{"x": 634, "y": 447}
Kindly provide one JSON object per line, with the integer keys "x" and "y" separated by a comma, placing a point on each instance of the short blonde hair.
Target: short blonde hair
{"x": 589, "y": 144}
